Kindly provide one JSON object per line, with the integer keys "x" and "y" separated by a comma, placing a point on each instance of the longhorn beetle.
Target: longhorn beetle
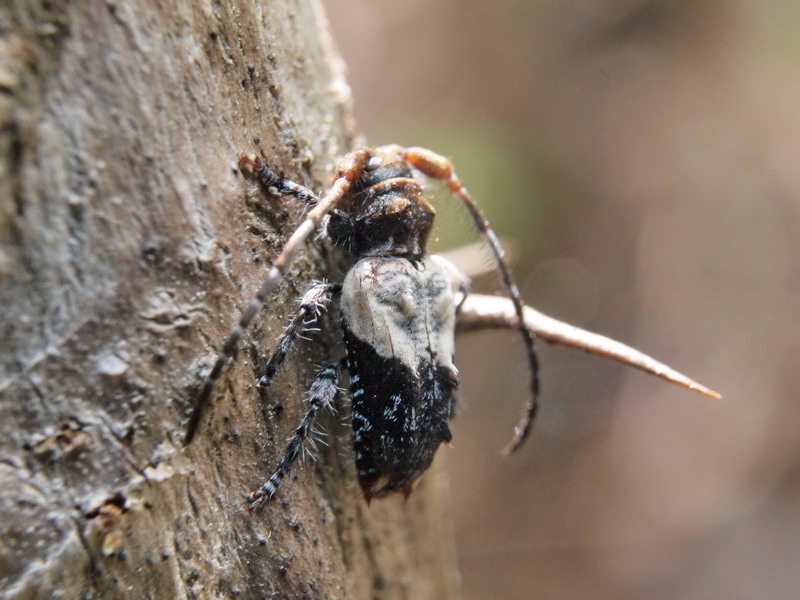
{"x": 398, "y": 308}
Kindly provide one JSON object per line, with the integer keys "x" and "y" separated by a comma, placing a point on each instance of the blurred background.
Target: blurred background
{"x": 640, "y": 159}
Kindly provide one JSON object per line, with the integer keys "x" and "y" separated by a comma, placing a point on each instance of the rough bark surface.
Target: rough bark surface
{"x": 130, "y": 243}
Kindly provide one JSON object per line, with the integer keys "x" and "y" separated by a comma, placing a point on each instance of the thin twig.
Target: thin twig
{"x": 481, "y": 312}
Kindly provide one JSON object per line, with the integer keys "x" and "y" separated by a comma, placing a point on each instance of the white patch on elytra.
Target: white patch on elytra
{"x": 402, "y": 310}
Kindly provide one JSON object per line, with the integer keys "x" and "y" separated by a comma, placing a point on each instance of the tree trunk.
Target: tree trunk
{"x": 130, "y": 243}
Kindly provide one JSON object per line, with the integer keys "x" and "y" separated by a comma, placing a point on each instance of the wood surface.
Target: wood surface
{"x": 129, "y": 243}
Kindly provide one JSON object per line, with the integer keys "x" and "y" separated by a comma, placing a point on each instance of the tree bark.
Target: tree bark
{"x": 130, "y": 243}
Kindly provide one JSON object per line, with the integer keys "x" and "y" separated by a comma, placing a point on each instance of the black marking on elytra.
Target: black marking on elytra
{"x": 400, "y": 416}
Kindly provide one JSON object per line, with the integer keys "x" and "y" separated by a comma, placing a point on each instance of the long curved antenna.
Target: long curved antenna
{"x": 439, "y": 167}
